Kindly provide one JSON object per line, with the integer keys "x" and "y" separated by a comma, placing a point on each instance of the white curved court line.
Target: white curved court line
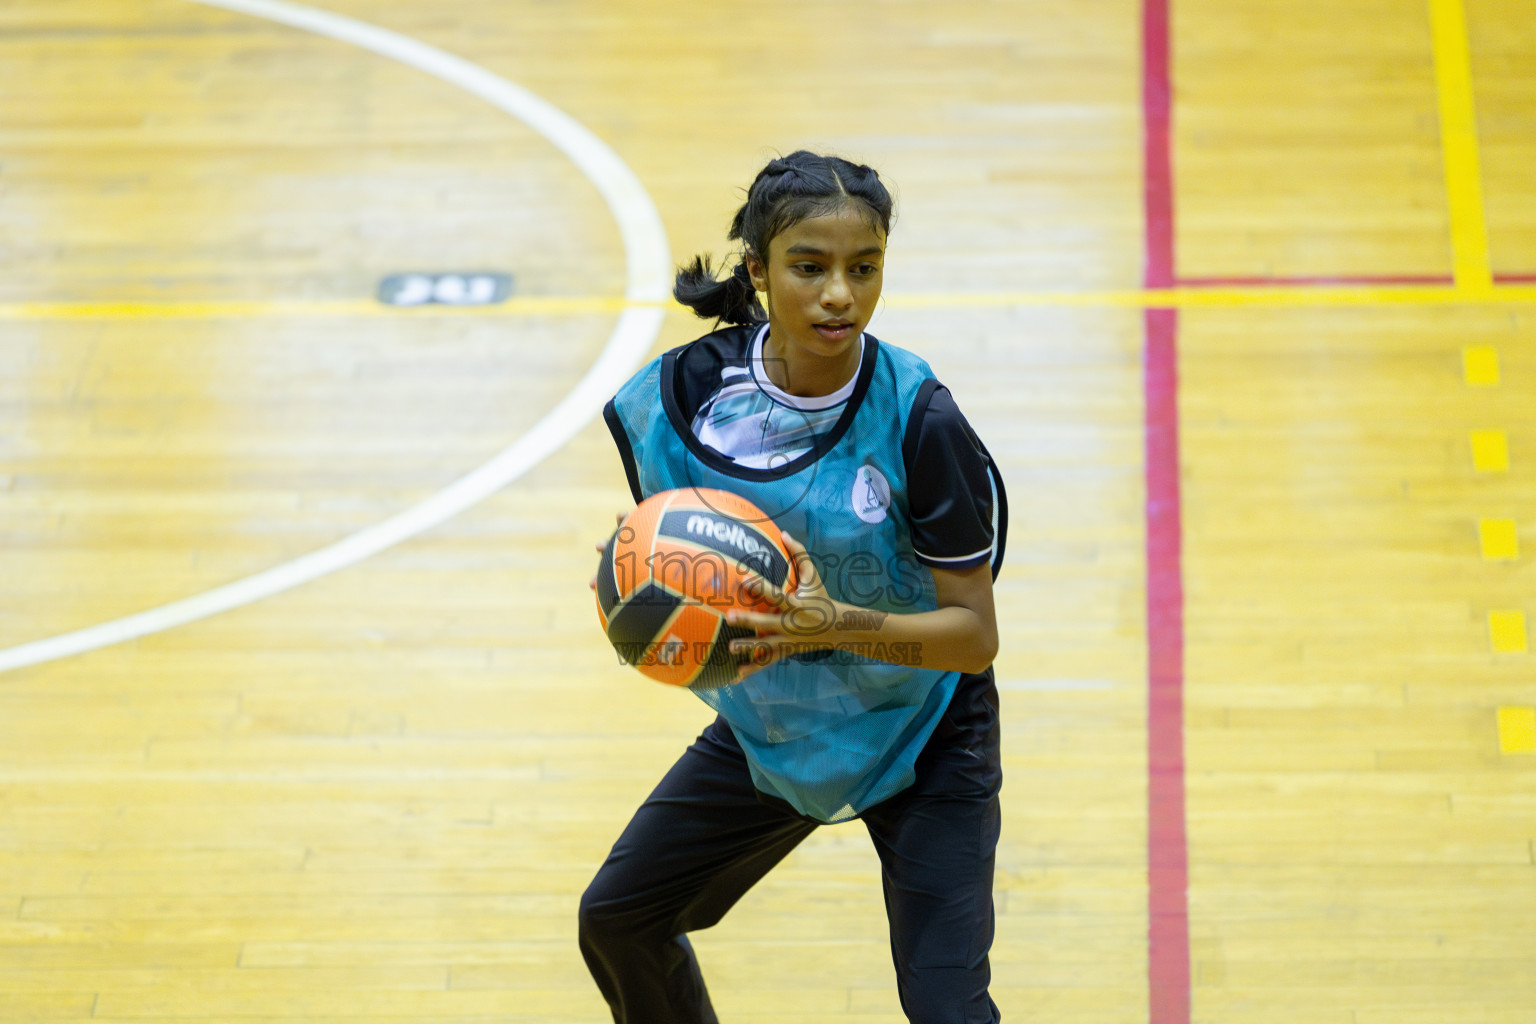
{"x": 648, "y": 259}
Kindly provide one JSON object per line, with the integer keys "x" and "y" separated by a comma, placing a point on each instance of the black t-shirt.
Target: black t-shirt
{"x": 955, "y": 497}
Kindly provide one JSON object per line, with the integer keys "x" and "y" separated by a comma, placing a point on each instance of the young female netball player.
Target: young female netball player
{"x": 869, "y": 694}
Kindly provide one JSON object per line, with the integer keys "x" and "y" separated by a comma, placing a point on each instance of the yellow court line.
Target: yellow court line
{"x": 531, "y": 306}
{"x": 1458, "y": 143}
{"x": 1234, "y": 297}
{"x": 1151, "y": 298}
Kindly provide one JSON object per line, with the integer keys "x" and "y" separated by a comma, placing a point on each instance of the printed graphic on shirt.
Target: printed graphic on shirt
{"x": 871, "y": 495}
{"x": 759, "y": 425}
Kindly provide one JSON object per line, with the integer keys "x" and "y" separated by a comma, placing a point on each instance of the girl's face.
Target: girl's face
{"x": 822, "y": 279}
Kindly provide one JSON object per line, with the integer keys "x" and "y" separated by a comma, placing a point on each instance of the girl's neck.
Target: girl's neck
{"x": 807, "y": 375}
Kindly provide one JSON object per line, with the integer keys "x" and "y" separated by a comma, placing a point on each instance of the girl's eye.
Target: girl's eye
{"x": 868, "y": 268}
{"x": 807, "y": 268}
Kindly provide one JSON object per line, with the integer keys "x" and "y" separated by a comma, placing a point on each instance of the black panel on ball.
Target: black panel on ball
{"x": 637, "y": 623}
{"x": 607, "y": 586}
{"x": 721, "y": 667}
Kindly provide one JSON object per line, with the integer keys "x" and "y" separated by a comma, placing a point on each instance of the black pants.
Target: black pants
{"x": 706, "y": 835}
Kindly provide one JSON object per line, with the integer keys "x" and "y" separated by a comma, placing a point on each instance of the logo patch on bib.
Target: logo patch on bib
{"x": 871, "y": 494}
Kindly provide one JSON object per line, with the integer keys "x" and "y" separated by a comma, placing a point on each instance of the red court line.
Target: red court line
{"x": 1168, "y": 966}
{"x": 1157, "y": 127}
{"x": 1168, "y": 975}
{"x": 1514, "y": 278}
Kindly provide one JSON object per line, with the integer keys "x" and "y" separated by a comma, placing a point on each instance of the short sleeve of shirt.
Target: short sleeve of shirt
{"x": 950, "y": 490}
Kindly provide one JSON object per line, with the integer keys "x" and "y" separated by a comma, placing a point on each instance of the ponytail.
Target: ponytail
{"x": 787, "y": 191}
{"x": 732, "y": 300}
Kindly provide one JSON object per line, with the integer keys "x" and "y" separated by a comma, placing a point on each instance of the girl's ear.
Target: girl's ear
{"x": 756, "y": 271}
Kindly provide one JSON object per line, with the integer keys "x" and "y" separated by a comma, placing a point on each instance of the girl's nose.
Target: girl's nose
{"x": 837, "y": 294}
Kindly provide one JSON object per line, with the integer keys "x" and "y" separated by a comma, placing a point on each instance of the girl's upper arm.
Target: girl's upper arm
{"x": 967, "y": 588}
{"x": 971, "y": 589}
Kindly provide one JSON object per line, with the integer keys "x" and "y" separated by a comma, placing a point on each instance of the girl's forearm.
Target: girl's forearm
{"x": 954, "y": 638}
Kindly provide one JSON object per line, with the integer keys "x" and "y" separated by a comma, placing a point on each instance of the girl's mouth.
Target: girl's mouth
{"x": 834, "y": 331}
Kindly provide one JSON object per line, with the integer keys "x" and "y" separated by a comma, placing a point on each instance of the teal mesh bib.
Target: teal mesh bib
{"x": 829, "y": 732}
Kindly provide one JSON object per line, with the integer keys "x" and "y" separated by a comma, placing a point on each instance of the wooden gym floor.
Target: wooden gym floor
{"x": 1240, "y": 294}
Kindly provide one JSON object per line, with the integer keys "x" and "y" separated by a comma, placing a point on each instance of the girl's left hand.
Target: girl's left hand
{"x": 803, "y": 619}
{"x": 602, "y": 545}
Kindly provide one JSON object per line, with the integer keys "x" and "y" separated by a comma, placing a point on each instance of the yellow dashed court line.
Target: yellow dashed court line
{"x": 1506, "y": 630}
{"x": 1490, "y": 451}
{"x": 1517, "y": 730}
{"x": 1480, "y": 366}
{"x": 1152, "y": 298}
{"x": 1500, "y": 539}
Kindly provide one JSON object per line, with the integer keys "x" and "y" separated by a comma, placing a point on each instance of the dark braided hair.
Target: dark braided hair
{"x": 789, "y": 190}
